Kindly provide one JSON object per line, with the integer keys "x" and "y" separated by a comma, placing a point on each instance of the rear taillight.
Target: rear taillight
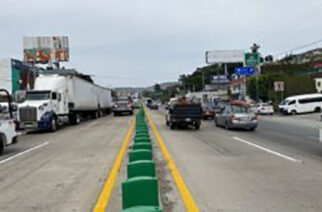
{"x": 255, "y": 118}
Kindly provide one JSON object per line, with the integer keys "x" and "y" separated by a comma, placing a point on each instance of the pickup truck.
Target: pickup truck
{"x": 183, "y": 115}
{"x": 8, "y": 134}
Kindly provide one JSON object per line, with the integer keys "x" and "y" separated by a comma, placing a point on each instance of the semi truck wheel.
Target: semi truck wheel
{"x": 197, "y": 126}
{"x": 54, "y": 125}
{"x": 172, "y": 126}
{"x": 74, "y": 119}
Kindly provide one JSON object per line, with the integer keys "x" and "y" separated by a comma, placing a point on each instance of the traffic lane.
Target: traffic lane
{"x": 30, "y": 139}
{"x": 68, "y": 173}
{"x": 225, "y": 174}
{"x": 289, "y": 138}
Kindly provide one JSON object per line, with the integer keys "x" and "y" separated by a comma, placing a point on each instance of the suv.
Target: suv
{"x": 8, "y": 134}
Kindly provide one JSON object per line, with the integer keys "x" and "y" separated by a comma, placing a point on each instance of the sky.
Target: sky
{"x": 125, "y": 43}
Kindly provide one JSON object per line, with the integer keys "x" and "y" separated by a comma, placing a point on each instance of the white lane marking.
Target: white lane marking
{"x": 24, "y": 152}
{"x": 268, "y": 150}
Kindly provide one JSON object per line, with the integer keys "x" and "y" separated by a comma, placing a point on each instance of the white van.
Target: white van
{"x": 301, "y": 104}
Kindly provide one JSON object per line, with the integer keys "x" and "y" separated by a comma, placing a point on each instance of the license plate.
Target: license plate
{"x": 188, "y": 119}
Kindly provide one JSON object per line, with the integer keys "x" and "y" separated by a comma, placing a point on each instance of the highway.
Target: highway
{"x": 276, "y": 168}
{"x": 66, "y": 173}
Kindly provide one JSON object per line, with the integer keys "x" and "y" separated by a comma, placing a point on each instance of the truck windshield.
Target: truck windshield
{"x": 43, "y": 95}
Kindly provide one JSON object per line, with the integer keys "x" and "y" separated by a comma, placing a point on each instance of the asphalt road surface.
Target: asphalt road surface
{"x": 61, "y": 171}
{"x": 276, "y": 168}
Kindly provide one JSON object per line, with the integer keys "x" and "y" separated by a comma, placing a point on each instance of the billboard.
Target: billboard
{"x": 47, "y": 48}
{"x": 225, "y": 56}
{"x": 219, "y": 79}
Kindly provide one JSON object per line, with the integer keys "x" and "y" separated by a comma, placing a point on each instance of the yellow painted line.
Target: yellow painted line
{"x": 105, "y": 195}
{"x": 188, "y": 200}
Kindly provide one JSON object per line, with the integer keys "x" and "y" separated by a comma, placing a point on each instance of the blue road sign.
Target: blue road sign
{"x": 244, "y": 71}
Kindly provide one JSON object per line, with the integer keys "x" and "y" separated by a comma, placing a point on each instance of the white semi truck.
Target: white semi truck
{"x": 63, "y": 96}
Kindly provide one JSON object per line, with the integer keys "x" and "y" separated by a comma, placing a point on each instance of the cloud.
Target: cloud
{"x": 156, "y": 40}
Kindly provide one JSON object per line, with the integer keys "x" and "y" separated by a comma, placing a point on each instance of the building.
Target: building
{"x": 238, "y": 88}
{"x": 17, "y": 76}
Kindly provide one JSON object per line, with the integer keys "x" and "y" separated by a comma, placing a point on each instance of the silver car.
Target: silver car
{"x": 236, "y": 117}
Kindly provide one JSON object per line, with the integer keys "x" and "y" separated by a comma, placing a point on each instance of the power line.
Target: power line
{"x": 300, "y": 47}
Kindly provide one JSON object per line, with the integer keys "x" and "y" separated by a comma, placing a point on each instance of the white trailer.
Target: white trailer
{"x": 62, "y": 96}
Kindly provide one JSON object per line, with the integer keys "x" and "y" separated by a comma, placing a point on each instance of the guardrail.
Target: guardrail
{"x": 140, "y": 192}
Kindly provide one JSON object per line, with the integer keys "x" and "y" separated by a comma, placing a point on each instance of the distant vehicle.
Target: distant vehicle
{"x": 220, "y": 105}
{"x": 208, "y": 111}
{"x": 8, "y": 134}
{"x": 183, "y": 114}
{"x": 63, "y": 96}
{"x": 236, "y": 116}
{"x": 123, "y": 106}
{"x": 136, "y": 103}
{"x": 154, "y": 106}
{"x": 265, "y": 109}
{"x": 148, "y": 102}
{"x": 301, "y": 104}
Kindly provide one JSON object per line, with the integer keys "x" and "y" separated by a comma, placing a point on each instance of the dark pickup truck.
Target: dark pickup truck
{"x": 184, "y": 115}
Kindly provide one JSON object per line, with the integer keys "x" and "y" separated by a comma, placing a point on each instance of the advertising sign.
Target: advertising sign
{"x": 44, "y": 49}
{"x": 220, "y": 79}
{"x": 318, "y": 65}
{"x": 278, "y": 86}
{"x": 225, "y": 56}
{"x": 244, "y": 71}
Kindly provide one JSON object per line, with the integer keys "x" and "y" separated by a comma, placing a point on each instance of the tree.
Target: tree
{"x": 157, "y": 87}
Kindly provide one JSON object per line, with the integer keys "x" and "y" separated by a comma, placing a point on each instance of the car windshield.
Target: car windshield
{"x": 43, "y": 95}
{"x": 122, "y": 104}
{"x": 239, "y": 109}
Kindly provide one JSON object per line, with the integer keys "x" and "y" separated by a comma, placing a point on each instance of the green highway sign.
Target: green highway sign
{"x": 251, "y": 59}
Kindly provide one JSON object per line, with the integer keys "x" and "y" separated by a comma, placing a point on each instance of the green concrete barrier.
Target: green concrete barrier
{"x": 142, "y": 140}
{"x": 140, "y": 154}
{"x": 141, "y": 137}
{"x": 143, "y": 209}
{"x": 140, "y": 191}
{"x": 143, "y": 145}
{"x": 141, "y": 168}
{"x": 142, "y": 134}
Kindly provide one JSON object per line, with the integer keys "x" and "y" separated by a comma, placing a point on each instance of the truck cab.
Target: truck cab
{"x": 8, "y": 134}
{"x": 184, "y": 113}
{"x": 45, "y": 106}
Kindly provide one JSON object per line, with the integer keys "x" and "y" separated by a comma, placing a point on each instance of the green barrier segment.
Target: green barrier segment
{"x": 145, "y": 145}
{"x": 141, "y": 168}
{"x": 143, "y": 209}
{"x": 141, "y": 137}
{"x": 140, "y": 191}
{"x": 141, "y": 134}
{"x": 142, "y": 128}
{"x": 140, "y": 154}
{"x": 142, "y": 140}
